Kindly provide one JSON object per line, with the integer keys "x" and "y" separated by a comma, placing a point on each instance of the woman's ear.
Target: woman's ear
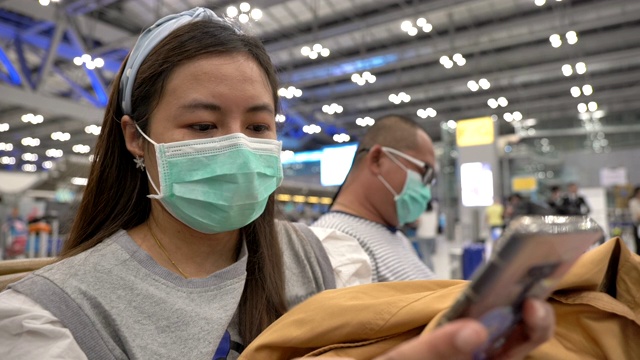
{"x": 373, "y": 159}
{"x": 132, "y": 137}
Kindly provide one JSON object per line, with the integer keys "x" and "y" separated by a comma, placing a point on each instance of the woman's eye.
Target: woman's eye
{"x": 203, "y": 127}
{"x": 259, "y": 128}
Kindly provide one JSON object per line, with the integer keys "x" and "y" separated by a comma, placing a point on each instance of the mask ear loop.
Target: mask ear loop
{"x": 386, "y": 184}
{"x": 158, "y": 194}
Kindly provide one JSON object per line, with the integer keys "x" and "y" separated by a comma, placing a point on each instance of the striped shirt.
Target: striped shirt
{"x": 393, "y": 258}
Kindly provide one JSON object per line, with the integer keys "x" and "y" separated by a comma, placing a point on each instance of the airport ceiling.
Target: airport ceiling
{"x": 453, "y": 59}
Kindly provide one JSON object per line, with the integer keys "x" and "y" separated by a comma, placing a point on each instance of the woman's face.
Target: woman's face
{"x": 211, "y": 96}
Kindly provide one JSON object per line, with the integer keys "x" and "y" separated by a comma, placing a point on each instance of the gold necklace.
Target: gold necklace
{"x": 153, "y": 235}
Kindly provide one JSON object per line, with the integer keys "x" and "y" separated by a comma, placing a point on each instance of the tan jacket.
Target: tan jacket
{"x": 597, "y": 308}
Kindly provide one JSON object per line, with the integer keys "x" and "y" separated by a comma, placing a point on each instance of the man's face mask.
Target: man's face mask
{"x": 416, "y": 192}
{"x": 217, "y": 184}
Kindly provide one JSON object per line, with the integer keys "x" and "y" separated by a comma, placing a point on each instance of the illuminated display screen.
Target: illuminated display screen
{"x": 335, "y": 163}
{"x": 477, "y": 184}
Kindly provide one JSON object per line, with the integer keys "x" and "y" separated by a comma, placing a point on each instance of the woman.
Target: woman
{"x": 201, "y": 268}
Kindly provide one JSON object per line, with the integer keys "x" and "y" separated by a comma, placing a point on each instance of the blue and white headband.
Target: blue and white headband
{"x": 150, "y": 38}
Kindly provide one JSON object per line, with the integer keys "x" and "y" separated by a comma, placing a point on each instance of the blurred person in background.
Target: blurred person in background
{"x": 555, "y": 200}
{"x": 573, "y": 203}
{"x": 494, "y": 217}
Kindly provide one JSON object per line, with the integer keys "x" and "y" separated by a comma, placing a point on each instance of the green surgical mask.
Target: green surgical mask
{"x": 412, "y": 200}
{"x": 217, "y": 184}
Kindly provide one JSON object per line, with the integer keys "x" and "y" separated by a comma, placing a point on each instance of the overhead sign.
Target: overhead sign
{"x": 473, "y": 132}
{"x": 524, "y": 183}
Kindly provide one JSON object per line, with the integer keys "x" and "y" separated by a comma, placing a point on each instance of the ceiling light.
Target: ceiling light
{"x": 98, "y": 62}
{"x": 484, "y": 83}
{"x": 427, "y": 28}
{"x": 472, "y": 85}
{"x": 341, "y": 137}
{"x": 575, "y": 91}
{"x": 448, "y": 65}
{"x": 366, "y": 121}
{"x": 54, "y": 153}
{"x": 508, "y": 117}
{"x": 311, "y": 129}
{"x": 582, "y": 108}
{"x": 315, "y": 51}
{"x": 289, "y": 92}
{"x": 6, "y": 146}
{"x": 517, "y": 116}
{"x": 244, "y": 18}
{"x": 587, "y": 89}
{"x": 452, "y": 124}
{"x": 7, "y": 160}
{"x": 555, "y": 40}
{"x": 540, "y": 2}
{"x": 60, "y": 136}
{"x": 47, "y": 164}
{"x": 421, "y": 22}
{"x": 29, "y": 157}
{"x": 457, "y": 57}
{"x": 81, "y": 149}
{"x": 245, "y": 7}
{"x": 232, "y": 11}
{"x": 4, "y": 127}
{"x": 502, "y": 101}
{"x": 332, "y": 109}
{"x": 29, "y": 141}
{"x": 93, "y": 129}
{"x": 567, "y": 70}
{"x": 77, "y": 60}
{"x": 581, "y": 68}
{"x": 256, "y": 14}
{"x": 571, "y": 37}
{"x": 412, "y": 32}
{"x": 428, "y": 112}
{"x": 493, "y": 103}
{"x": 592, "y": 106}
{"x": 406, "y": 25}
{"x": 29, "y": 168}
{"x": 444, "y": 59}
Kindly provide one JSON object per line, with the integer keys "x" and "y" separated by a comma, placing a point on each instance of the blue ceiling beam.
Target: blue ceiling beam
{"x": 13, "y": 75}
{"x": 65, "y": 50}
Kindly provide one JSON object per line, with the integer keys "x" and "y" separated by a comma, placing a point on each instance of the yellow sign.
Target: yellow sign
{"x": 524, "y": 183}
{"x": 472, "y": 132}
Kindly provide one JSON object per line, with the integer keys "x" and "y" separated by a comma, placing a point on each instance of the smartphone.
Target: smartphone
{"x": 528, "y": 260}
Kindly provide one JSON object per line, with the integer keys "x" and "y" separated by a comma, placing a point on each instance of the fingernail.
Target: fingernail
{"x": 469, "y": 339}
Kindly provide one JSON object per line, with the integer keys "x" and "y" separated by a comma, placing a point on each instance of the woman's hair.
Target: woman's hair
{"x": 116, "y": 194}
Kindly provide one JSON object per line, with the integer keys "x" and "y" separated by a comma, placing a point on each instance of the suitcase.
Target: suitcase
{"x": 472, "y": 258}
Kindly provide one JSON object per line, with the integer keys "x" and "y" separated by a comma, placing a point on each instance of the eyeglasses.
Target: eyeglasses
{"x": 429, "y": 173}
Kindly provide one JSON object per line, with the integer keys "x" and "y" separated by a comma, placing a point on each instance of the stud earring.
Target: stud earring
{"x": 139, "y": 163}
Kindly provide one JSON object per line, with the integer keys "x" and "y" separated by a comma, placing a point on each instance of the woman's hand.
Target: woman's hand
{"x": 460, "y": 339}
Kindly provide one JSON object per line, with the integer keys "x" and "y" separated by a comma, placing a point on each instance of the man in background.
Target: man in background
{"x": 389, "y": 185}
{"x": 573, "y": 203}
{"x": 494, "y": 217}
{"x": 555, "y": 200}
